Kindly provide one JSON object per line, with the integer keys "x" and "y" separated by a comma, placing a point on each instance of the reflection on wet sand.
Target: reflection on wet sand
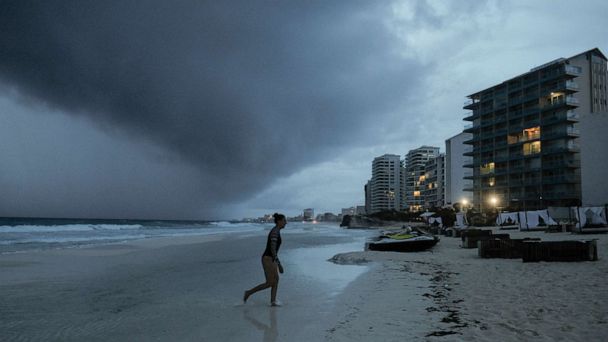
{"x": 270, "y": 330}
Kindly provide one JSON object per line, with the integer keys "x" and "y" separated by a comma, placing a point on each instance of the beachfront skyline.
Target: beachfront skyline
{"x": 238, "y": 109}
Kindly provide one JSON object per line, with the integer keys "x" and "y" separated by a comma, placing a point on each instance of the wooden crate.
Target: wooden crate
{"x": 472, "y": 241}
{"x": 502, "y": 248}
{"x": 474, "y": 232}
{"x": 560, "y": 251}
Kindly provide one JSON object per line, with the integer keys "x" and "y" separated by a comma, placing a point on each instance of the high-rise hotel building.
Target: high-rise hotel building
{"x": 415, "y": 176}
{"x": 530, "y": 143}
{"x": 385, "y": 189}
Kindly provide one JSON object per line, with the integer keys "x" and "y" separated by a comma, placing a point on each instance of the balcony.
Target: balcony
{"x": 573, "y": 132}
{"x": 470, "y": 104}
{"x": 559, "y": 164}
{"x": 561, "y": 149}
{"x": 572, "y": 116}
{"x": 569, "y": 116}
{"x": 568, "y": 87}
{"x": 470, "y": 128}
{"x": 470, "y": 115}
{"x": 567, "y": 70}
{"x": 561, "y": 179}
{"x": 560, "y": 195}
{"x": 573, "y": 70}
{"x": 568, "y": 101}
{"x": 554, "y": 135}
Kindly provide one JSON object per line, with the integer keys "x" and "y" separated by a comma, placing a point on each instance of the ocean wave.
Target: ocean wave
{"x": 67, "y": 228}
{"x": 62, "y": 240}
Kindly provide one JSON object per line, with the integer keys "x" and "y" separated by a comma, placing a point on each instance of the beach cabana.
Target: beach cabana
{"x": 507, "y": 219}
{"x": 433, "y": 220}
{"x": 535, "y": 219}
{"x": 590, "y": 218}
{"x": 425, "y": 216}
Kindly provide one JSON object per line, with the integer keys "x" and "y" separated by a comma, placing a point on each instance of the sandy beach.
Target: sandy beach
{"x": 461, "y": 297}
{"x": 190, "y": 289}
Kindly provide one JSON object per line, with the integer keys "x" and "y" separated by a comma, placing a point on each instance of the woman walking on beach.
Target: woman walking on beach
{"x": 270, "y": 261}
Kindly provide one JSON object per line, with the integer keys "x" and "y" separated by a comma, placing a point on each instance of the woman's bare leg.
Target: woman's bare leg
{"x": 272, "y": 280}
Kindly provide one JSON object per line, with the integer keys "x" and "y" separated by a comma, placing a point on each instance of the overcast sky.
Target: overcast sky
{"x": 230, "y": 109}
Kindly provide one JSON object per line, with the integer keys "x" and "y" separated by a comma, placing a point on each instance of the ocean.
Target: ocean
{"x": 26, "y": 234}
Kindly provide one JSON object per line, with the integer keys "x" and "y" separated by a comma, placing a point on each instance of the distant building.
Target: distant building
{"x": 330, "y": 217}
{"x": 368, "y": 197}
{"x": 308, "y": 214}
{"x": 348, "y": 211}
{"x": 415, "y": 175}
{"x": 360, "y": 210}
{"x": 385, "y": 189}
{"x": 457, "y": 188}
{"x": 433, "y": 186}
{"x": 537, "y": 138}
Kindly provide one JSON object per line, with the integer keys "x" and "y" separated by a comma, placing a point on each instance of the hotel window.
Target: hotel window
{"x": 491, "y": 181}
{"x": 486, "y": 168}
{"x": 416, "y": 193}
{"x": 531, "y": 148}
{"x": 532, "y": 133}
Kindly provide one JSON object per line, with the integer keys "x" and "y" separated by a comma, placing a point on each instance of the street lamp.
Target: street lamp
{"x": 465, "y": 204}
{"x": 494, "y": 201}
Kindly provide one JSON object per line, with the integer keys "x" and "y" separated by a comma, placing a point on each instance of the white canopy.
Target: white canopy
{"x": 435, "y": 219}
{"x": 591, "y": 215}
{"x": 532, "y": 219}
{"x": 512, "y": 218}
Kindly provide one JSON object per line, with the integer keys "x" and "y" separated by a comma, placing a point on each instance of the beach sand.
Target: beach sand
{"x": 190, "y": 289}
{"x": 461, "y": 297}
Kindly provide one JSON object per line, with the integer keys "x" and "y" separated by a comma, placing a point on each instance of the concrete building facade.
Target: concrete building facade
{"x": 415, "y": 175}
{"x": 434, "y": 183}
{"x": 457, "y": 188}
{"x": 527, "y": 134}
{"x": 385, "y": 189}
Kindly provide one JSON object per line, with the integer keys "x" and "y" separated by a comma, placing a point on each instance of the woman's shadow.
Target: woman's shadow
{"x": 270, "y": 330}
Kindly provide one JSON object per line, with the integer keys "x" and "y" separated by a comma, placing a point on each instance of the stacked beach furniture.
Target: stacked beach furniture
{"x": 491, "y": 245}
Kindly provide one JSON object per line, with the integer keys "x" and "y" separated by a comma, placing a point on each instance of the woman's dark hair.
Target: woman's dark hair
{"x": 278, "y": 217}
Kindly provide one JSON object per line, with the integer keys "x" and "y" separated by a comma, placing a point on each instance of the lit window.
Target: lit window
{"x": 487, "y": 168}
{"x": 416, "y": 193}
{"x": 531, "y": 148}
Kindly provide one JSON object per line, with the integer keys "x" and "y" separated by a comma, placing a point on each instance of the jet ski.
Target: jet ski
{"x": 403, "y": 242}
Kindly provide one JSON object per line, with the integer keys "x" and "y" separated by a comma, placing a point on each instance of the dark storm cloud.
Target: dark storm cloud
{"x": 245, "y": 91}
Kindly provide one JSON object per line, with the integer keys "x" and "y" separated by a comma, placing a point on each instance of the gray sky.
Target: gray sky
{"x": 193, "y": 109}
